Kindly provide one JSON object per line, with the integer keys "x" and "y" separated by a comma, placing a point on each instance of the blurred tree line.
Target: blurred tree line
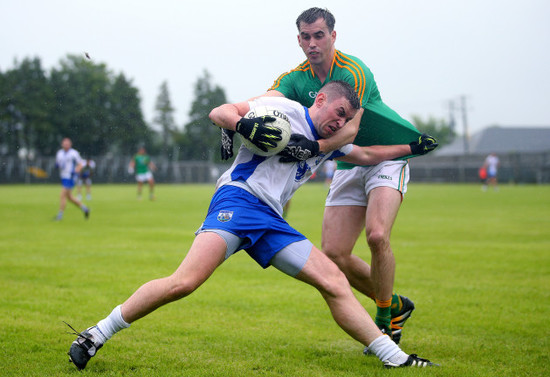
{"x": 439, "y": 128}
{"x": 100, "y": 111}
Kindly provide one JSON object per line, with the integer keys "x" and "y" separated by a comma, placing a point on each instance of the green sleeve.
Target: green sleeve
{"x": 286, "y": 85}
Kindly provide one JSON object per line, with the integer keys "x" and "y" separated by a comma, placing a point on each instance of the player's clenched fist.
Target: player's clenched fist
{"x": 299, "y": 148}
{"x": 425, "y": 144}
{"x": 259, "y": 132}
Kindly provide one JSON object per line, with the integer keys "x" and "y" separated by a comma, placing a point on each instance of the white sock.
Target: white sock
{"x": 110, "y": 326}
{"x": 386, "y": 350}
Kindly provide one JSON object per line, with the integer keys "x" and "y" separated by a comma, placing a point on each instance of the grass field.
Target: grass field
{"x": 476, "y": 264}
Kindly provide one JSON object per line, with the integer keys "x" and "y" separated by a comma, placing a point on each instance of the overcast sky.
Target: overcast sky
{"x": 423, "y": 53}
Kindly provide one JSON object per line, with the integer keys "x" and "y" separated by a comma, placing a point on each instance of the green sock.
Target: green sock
{"x": 383, "y": 314}
{"x": 396, "y": 304}
{"x": 381, "y": 320}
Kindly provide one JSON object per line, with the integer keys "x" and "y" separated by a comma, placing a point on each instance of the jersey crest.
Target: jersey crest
{"x": 225, "y": 216}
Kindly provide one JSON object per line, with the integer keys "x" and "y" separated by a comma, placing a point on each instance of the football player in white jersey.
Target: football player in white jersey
{"x": 491, "y": 166}
{"x": 246, "y": 213}
{"x": 69, "y": 163}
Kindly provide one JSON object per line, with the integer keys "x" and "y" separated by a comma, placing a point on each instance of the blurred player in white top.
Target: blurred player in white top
{"x": 329, "y": 168}
{"x": 491, "y": 166}
{"x": 69, "y": 163}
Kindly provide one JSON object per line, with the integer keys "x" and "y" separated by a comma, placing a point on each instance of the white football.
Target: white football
{"x": 281, "y": 121}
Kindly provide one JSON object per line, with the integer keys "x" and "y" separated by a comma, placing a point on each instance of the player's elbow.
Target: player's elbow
{"x": 213, "y": 115}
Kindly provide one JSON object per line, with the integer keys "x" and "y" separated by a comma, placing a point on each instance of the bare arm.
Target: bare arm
{"x": 227, "y": 115}
{"x": 375, "y": 154}
{"x": 344, "y": 136}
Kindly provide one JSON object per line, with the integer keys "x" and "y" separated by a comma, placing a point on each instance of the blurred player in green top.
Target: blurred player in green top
{"x": 360, "y": 198}
{"x": 143, "y": 167}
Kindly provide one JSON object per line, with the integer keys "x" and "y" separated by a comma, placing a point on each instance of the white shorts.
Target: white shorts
{"x": 144, "y": 177}
{"x": 351, "y": 187}
{"x": 491, "y": 172}
{"x": 84, "y": 181}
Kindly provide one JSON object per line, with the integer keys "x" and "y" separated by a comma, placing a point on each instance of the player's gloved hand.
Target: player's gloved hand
{"x": 226, "y": 149}
{"x": 299, "y": 148}
{"x": 425, "y": 144}
{"x": 259, "y": 132}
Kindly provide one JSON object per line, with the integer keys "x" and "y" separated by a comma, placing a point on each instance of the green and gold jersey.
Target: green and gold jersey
{"x": 142, "y": 163}
{"x": 380, "y": 125}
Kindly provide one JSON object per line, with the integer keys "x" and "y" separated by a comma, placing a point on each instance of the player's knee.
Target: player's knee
{"x": 330, "y": 251}
{"x": 342, "y": 259}
{"x": 336, "y": 251}
{"x": 180, "y": 289}
{"x": 335, "y": 283}
{"x": 378, "y": 239}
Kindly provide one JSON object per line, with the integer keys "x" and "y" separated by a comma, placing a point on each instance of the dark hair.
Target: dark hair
{"x": 313, "y": 14}
{"x": 339, "y": 88}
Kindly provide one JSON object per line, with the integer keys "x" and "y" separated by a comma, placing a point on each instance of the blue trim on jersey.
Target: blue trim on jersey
{"x": 72, "y": 161}
{"x": 311, "y": 126}
{"x": 264, "y": 232}
{"x": 337, "y": 153}
{"x": 243, "y": 171}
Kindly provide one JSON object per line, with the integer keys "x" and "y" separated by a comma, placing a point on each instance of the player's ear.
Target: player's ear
{"x": 320, "y": 99}
{"x": 333, "y": 35}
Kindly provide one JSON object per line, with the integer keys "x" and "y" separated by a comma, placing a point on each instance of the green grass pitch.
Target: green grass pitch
{"x": 477, "y": 265}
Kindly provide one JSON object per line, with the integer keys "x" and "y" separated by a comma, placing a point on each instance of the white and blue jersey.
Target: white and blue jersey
{"x": 67, "y": 161}
{"x": 250, "y": 195}
{"x": 268, "y": 179}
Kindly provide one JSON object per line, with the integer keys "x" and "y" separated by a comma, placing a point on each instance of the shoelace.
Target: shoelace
{"x": 77, "y": 333}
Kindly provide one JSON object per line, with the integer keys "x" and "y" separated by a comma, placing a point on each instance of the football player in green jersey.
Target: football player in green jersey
{"x": 360, "y": 197}
{"x": 143, "y": 167}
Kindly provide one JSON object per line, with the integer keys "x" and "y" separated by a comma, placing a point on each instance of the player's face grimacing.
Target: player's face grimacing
{"x": 316, "y": 41}
{"x": 333, "y": 115}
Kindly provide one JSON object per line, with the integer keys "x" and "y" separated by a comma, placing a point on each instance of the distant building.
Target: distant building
{"x": 501, "y": 140}
{"x": 524, "y": 154}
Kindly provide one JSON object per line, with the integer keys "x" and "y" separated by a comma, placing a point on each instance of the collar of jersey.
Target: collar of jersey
{"x": 331, "y": 66}
{"x": 311, "y": 126}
